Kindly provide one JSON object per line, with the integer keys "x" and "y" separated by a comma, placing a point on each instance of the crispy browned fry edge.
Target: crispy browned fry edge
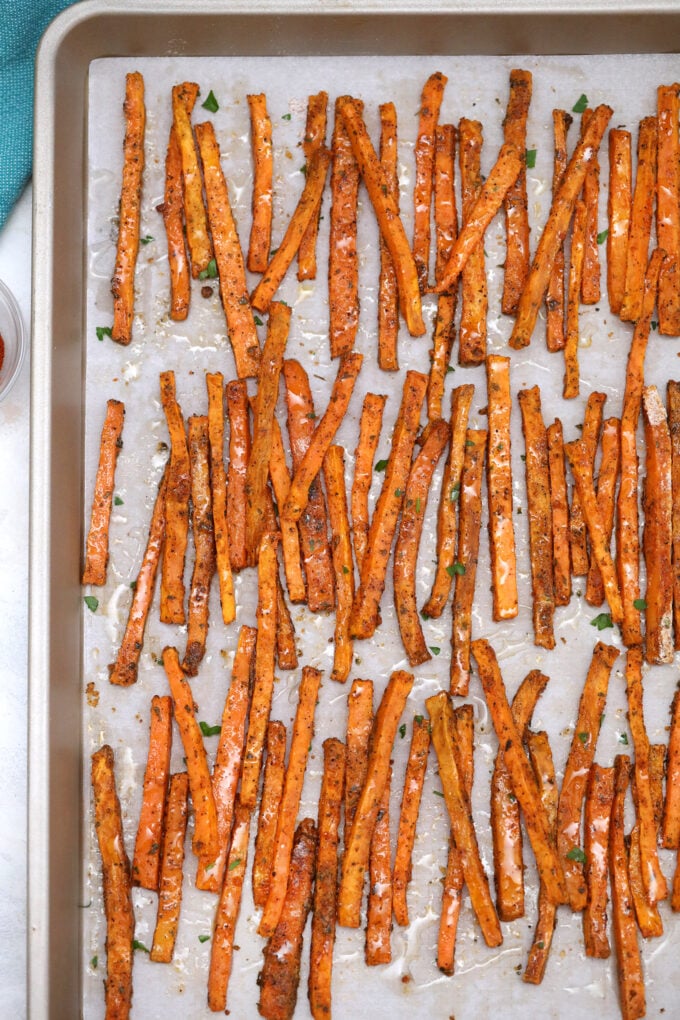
{"x": 124, "y": 670}
{"x": 499, "y": 486}
{"x": 306, "y": 209}
{"x": 263, "y": 685}
{"x": 554, "y": 297}
{"x": 597, "y": 812}
{"x": 120, "y": 918}
{"x": 576, "y": 260}
{"x": 359, "y": 724}
{"x": 239, "y": 453}
{"x": 524, "y": 784}
{"x": 357, "y": 845}
{"x": 300, "y": 745}
{"x": 221, "y": 950}
{"x": 387, "y": 215}
{"x": 657, "y": 775}
{"x": 177, "y": 495}
{"x": 280, "y": 974}
{"x": 541, "y": 759}
{"x": 474, "y": 299}
{"x": 364, "y": 455}
{"x": 671, "y": 813}
{"x": 410, "y": 803}
{"x": 449, "y": 497}
{"x": 97, "y": 545}
{"x": 315, "y": 137}
{"x": 540, "y": 516}
{"x": 378, "y": 946}
{"x": 606, "y": 500}
{"x": 172, "y": 210}
{"x": 505, "y": 823}
{"x": 170, "y": 885}
{"x": 388, "y": 291}
{"x": 204, "y": 545}
{"x": 446, "y": 228}
{"x": 272, "y": 786}
{"x": 434, "y": 440}
{"x": 657, "y": 502}
{"x": 515, "y": 203}
{"x": 592, "y": 423}
{"x": 227, "y": 767}
{"x": 673, "y": 410}
{"x": 195, "y": 216}
{"x": 619, "y": 199}
{"x": 627, "y": 513}
{"x": 465, "y": 568}
{"x": 307, "y": 469}
{"x": 343, "y": 565}
{"x": 629, "y": 966}
{"x": 218, "y": 490}
{"x": 123, "y": 281}
{"x": 640, "y": 220}
{"x": 343, "y": 259}
{"x": 147, "y": 856}
{"x": 581, "y": 466}
{"x": 312, "y": 526}
{"x": 290, "y": 537}
{"x": 667, "y": 209}
{"x": 430, "y": 103}
{"x": 560, "y": 514}
{"x": 590, "y": 280}
{"x": 460, "y": 815}
{"x": 364, "y": 618}
{"x": 556, "y": 227}
{"x": 263, "y": 173}
{"x": 581, "y": 757}
{"x": 325, "y": 884}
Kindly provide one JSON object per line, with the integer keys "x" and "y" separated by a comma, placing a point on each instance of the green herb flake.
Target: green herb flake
{"x": 418, "y": 505}
{"x": 602, "y": 236}
{"x": 234, "y": 864}
{"x": 469, "y": 442}
{"x": 579, "y": 106}
{"x": 287, "y": 116}
{"x": 640, "y": 604}
{"x": 258, "y": 320}
{"x": 602, "y": 621}
{"x": 419, "y": 719}
{"x": 381, "y": 465}
{"x": 204, "y": 938}
{"x": 303, "y": 169}
{"x": 209, "y": 731}
{"x": 654, "y": 324}
{"x": 211, "y": 104}
{"x": 523, "y": 457}
{"x": 435, "y": 650}
{"x": 133, "y": 585}
{"x": 623, "y": 738}
{"x": 450, "y": 368}
{"x": 438, "y": 793}
{"x": 530, "y": 158}
{"x": 210, "y": 271}
{"x": 92, "y": 602}
{"x": 139, "y": 945}
{"x": 146, "y": 240}
{"x": 398, "y": 493}
{"x": 424, "y": 615}
{"x": 345, "y": 569}
{"x": 402, "y": 730}
{"x": 103, "y": 331}
{"x": 576, "y": 854}
{"x": 583, "y": 737}
{"x": 455, "y": 568}
{"x": 94, "y": 962}
{"x": 311, "y": 416}
{"x": 117, "y": 501}
{"x": 455, "y": 492}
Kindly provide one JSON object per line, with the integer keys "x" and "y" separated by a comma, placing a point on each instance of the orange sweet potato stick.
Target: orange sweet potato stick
{"x": 222, "y": 948}
{"x": 671, "y": 813}
{"x": 408, "y": 817}
{"x": 236, "y": 394}
{"x": 597, "y": 812}
{"x": 177, "y": 496}
{"x": 315, "y": 137}
{"x": 541, "y": 758}
{"x": 516, "y": 204}
{"x": 218, "y": 491}
{"x": 430, "y": 103}
{"x": 606, "y": 501}
{"x": 127, "y": 248}
{"x": 272, "y": 787}
{"x": 364, "y": 457}
{"x": 171, "y": 872}
{"x": 446, "y": 228}
{"x": 673, "y": 408}
{"x": 590, "y": 280}
{"x": 388, "y": 292}
{"x": 474, "y": 290}
{"x": 147, "y": 856}
{"x": 290, "y": 536}
{"x": 554, "y": 298}
{"x": 204, "y": 545}
{"x": 263, "y": 174}
{"x": 640, "y": 220}
{"x": 667, "y": 209}
{"x": 658, "y": 533}
{"x": 618, "y": 211}
{"x": 343, "y": 259}
{"x": 590, "y": 434}
{"x": 560, "y": 514}
{"x": 198, "y": 238}
{"x": 378, "y": 947}
{"x": 341, "y": 544}
{"x": 97, "y": 545}
{"x": 359, "y": 724}
{"x": 571, "y": 386}
{"x": 629, "y": 966}
{"x": 172, "y": 210}
{"x": 499, "y": 483}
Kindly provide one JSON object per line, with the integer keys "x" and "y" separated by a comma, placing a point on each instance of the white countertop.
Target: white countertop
{"x": 15, "y": 271}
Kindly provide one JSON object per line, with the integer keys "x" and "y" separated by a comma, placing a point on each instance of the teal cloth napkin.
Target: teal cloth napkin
{"x": 21, "y": 25}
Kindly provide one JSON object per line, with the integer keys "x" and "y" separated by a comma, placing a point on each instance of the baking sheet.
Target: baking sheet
{"x": 574, "y": 986}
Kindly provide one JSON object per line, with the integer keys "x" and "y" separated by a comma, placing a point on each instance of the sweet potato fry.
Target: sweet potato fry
{"x": 647, "y": 915}
{"x": 388, "y": 291}
{"x": 673, "y": 409}
{"x": 430, "y": 103}
{"x": 540, "y": 516}
{"x": 313, "y": 525}
{"x": 554, "y": 298}
{"x": 343, "y": 259}
{"x": 364, "y": 456}
{"x": 410, "y": 804}
{"x": 671, "y": 813}
{"x": 290, "y": 538}
{"x": 667, "y": 210}
{"x": 524, "y": 784}
{"x": 474, "y": 303}
{"x": 172, "y": 210}
{"x": 556, "y": 227}
{"x": 359, "y": 724}
{"x": 597, "y": 812}
{"x": 127, "y": 247}
{"x": 263, "y": 173}
{"x": 147, "y": 855}
{"x": 658, "y": 533}
{"x": 357, "y": 846}
{"x": 176, "y": 507}
{"x": 499, "y": 483}
{"x": 640, "y": 220}
{"x": 378, "y": 948}
{"x": 221, "y": 950}
{"x": 581, "y": 756}
{"x": 341, "y": 543}
{"x": 446, "y": 227}
{"x": 120, "y": 918}
{"x": 541, "y": 758}
{"x": 434, "y": 440}
{"x": 590, "y": 280}
{"x": 301, "y": 742}
{"x": 218, "y": 492}
{"x": 198, "y": 238}
{"x": 364, "y": 618}
{"x": 97, "y": 545}
{"x": 590, "y": 434}
{"x": 286, "y": 651}
{"x": 465, "y": 568}
{"x": 606, "y": 501}
{"x": 305, "y": 211}
{"x": 560, "y": 514}
{"x": 631, "y": 983}
{"x": 387, "y": 215}
{"x": 267, "y": 573}
{"x": 618, "y": 213}
{"x": 315, "y": 137}
{"x": 325, "y": 885}
{"x": 171, "y": 871}
{"x": 280, "y": 974}
{"x": 236, "y": 394}
{"x": 272, "y": 787}
{"x": 571, "y": 386}
{"x": 460, "y": 816}
{"x": 461, "y": 401}
{"x": 204, "y": 545}
{"x": 515, "y": 204}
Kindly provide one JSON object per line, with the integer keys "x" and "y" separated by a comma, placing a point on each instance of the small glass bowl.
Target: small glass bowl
{"x": 14, "y": 339}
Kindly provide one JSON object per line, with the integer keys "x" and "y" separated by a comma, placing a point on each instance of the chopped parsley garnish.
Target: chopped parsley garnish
{"x": 381, "y": 465}
{"x": 438, "y": 793}
{"x": 455, "y": 568}
{"x": 117, "y": 501}
{"x": 210, "y": 271}
{"x": 435, "y": 650}
{"x": 209, "y": 731}
{"x": 418, "y": 719}
{"x": 530, "y": 158}
{"x": 286, "y": 116}
{"x": 640, "y": 604}
{"x": 92, "y": 602}
{"x": 204, "y": 938}
{"x": 583, "y": 737}
{"x": 602, "y": 236}
{"x": 94, "y": 962}
{"x": 146, "y": 240}
{"x": 623, "y": 738}
{"x": 139, "y": 945}
{"x": 455, "y": 492}
{"x": 258, "y": 320}
{"x": 211, "y": 103}
{"x": 402, "y": 730}
{"x": 581, "y": 104}
{"x": 234, "y": 864}
{"x": 602, "y": 621}
{"x": 103, "y": 331}
{"x": 576, "y": 854}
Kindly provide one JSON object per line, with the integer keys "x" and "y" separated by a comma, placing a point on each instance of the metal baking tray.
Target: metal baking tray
{"x": 93, "y": 30}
